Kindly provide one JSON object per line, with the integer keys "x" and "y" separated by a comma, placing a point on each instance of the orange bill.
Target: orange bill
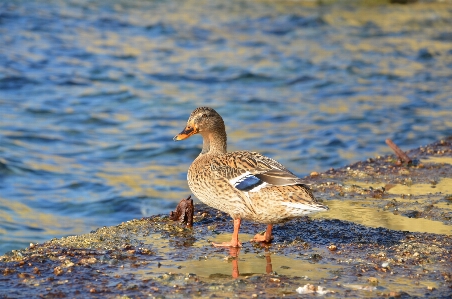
{"x": 187, "y": 132}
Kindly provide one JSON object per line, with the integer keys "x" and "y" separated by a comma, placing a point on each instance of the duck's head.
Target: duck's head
{"x": 203, "y": 120}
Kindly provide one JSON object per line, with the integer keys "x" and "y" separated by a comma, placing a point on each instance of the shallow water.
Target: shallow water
{"x": 91, "y": 95}
{"x": 362, "y": 213}
{"x": 232, "y": 271}
{"x": 219, "y": 265}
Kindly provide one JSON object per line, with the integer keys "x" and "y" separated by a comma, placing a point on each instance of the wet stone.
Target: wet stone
{"x": 339, "y": 257}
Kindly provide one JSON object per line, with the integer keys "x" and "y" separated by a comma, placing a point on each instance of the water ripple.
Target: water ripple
{"x": 92, "y": 94}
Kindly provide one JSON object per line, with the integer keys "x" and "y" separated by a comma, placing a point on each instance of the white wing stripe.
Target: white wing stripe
{"x": 258, "y": 187}
{"x": 305, "y": 209}
{"x": 237, "y": 180}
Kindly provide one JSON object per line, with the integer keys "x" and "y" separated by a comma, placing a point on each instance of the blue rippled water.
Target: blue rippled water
{"x": 92, "y": 92}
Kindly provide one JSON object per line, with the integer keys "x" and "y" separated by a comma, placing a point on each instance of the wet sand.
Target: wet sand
{"x": 387, "y": 234}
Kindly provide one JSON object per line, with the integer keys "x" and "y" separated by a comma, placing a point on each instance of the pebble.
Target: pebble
{"x": 23, "y": 275}
{"x": 68, "y": 264}
{"x": 332, "y": 247}
{"x": 91, "y": 260}
{"x": 309, "y": 289}
{"x": 58, "y": 271}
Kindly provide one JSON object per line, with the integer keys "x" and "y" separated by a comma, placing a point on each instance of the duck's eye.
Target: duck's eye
{"x": 204, "y": 115}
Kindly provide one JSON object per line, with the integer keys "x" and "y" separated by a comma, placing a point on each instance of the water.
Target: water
{"x": 91, "y": 94}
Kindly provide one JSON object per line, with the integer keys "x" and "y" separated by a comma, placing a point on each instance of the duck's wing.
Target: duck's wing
{"x": 250, "y": 171}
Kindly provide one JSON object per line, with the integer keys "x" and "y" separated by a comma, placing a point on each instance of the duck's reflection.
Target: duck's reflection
{"x": 234, "y": 253}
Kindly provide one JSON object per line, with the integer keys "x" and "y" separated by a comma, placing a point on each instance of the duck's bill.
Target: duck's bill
{"x": 187, "y": 132}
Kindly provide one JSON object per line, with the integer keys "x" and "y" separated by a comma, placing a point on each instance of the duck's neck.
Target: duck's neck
{"x": 214, "y": 142}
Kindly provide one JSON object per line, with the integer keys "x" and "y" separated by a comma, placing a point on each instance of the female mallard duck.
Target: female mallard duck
{"x": 246, "y": 185}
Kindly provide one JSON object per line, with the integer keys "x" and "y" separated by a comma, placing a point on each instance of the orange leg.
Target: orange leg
{"x": 235, "y": 237}
{"x": 267, "y": 237}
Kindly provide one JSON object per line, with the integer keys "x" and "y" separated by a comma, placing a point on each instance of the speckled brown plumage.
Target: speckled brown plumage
{"x": 246, "y": 185}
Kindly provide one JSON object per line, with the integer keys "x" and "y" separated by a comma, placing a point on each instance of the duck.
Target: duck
{"x": 244, "y": 184}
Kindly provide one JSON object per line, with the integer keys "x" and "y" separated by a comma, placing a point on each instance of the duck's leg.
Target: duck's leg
{"x": 235, "y": 237}
{"x": 267, "y": 237}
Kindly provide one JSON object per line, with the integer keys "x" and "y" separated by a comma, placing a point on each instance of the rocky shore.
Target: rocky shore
{"x": 387, "y": 234}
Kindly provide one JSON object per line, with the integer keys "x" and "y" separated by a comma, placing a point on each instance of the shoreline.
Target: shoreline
{"x": 369, "y": 246}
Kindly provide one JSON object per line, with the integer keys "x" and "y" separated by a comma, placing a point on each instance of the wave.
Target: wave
{"x": 240, "y": 77}
{"x": 16, "y": 82}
